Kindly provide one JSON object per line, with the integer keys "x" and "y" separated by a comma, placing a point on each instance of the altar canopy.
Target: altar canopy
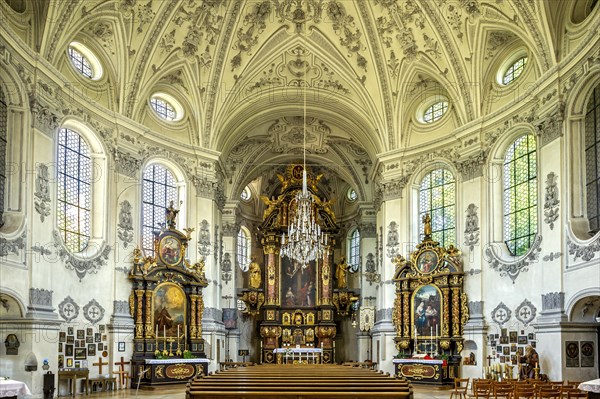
{"x": 297, "y": 306}
{"x": 167, "y": 306}
{"x": 430, "y": 311}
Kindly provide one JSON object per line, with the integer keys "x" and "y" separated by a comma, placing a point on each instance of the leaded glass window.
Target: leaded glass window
{"x": 74, "y": 190}
{"x": 514, "y": 71}
{"x": 159, "y": 188}
{"x": 520, "y": 195}
{"x": 435, "y": 111}
{"x": 437, "y": 197}
{"x": 163, "y": 108}
{"x": 592, "y": 160}
{"x": 243, "y": 242}
{"x": 81, "y": 63}
{"x": 3, "y": 145}
{"x": 354, "y": 253}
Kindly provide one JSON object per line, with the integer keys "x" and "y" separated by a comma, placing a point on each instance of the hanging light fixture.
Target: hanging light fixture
{"x": 304, "y": 242}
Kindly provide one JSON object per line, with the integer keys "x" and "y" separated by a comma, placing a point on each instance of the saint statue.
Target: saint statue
{"x": 171, "y": 215}
{"x": 529, "y": 362}
{"x": 254, "y": 273}
{"x": 427, "y": 225}
{"x": 340, "y": 273}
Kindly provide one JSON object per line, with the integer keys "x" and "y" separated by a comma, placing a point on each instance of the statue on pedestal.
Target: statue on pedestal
{"x": 254, "y": 272}
{"x": 340, "y": 273}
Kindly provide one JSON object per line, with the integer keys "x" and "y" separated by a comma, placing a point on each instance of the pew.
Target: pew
{"x": 298, "y": 382}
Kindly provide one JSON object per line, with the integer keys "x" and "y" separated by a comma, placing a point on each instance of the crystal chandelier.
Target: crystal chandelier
{"x": 304, "y": 242}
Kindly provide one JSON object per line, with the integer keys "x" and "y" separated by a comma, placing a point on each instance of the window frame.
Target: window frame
{"x": 245, "y": 257}
{"x": 97, "y": 71}
{"x": 421, "y": 211}
{"x": 593, "y": 95}
{"x": 353, "y": 255}
{"x": 171, "y": 101}
{"x": 3, "y": 151}
{"x": 175, "y": 187}
{"x": 427, "y": 104}
{"x": 531, "y": 209}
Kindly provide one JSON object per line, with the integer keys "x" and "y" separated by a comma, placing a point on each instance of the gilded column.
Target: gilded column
{"x": 406, "y": 315}
{"x": 446, "y": 319}
{"x": 272, "y": 297}
{"x": 326, "y": 280}
{"x": 148, "y": 333}
{"x": 193, "y": 328}
{"x": 455, "y": 312}
{"x": 199, "y": 312}
{"x": 139, "y": 312}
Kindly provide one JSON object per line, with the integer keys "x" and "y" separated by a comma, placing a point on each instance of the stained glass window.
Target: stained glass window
{"x": 592, "y": 162}
{"x": 81, "y": 63}
{"x": 3, "y": 145}
{"x": 437, "y": 197}
{"x": 514, "y": 71}
{"x": 163, "y": 108}
{"x": 159, "y": 188}
{"x": 520, "y": 195}
{"x": 354, "y": 253}
{"x": 243, "y": 242}
{"x": 74, "y": 174}
{"x": 435, "y": 111}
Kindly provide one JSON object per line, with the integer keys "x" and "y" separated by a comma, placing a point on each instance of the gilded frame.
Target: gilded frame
{"x": 439, "y": 308}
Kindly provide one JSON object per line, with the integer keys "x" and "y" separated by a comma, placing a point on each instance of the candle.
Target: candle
{"x": 177, "y": 331}
{"x": 156, "y": 332}
{"x": 165, "y": 331}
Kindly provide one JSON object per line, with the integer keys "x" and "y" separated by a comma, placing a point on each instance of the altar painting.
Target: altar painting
{"x": 169, "y": 310}
{"x": 427, "y": 311}
{"x": 298, "y": 285}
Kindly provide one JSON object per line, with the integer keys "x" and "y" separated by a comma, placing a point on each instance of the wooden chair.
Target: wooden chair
{"x": 482, "y": 390}
{"x": 524, "y": 393}
{"x": 573, "y": 384}
{"x": 460, "y": 391}
{"x": 503, "y": 391}
{"x": 549, "y": 393}
{"x": 577, "y": 394}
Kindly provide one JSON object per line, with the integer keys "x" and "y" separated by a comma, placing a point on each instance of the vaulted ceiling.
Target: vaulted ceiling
{"x": 243, "y": 70}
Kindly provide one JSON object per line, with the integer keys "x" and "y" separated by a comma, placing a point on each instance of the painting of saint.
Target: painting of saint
{"x": 427, "y": 311}
{"x": 427, "y": 262}
{"x": 298, "y": 285}
{"x": 169, "y": 310}
{"x": 170, "y": 250}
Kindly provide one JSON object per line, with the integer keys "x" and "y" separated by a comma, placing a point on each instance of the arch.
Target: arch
{"x": 170, "y": 185}
{"x": 572, "y": 303}
{"x": 16, "y": 298}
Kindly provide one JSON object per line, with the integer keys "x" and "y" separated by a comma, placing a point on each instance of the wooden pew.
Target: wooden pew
{"x": 298, "y": 382}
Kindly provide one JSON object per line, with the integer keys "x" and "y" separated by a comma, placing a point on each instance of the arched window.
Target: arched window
{"x": 159, "y": 188}
{"x": 520, "y": 194}
{"x": 354, "y": 250}
{"x": 243, "y": 245}
{"x": 74, "y": 196}
{"x": 592, "y": 163}
{"x": 437, "y": 197}
{"x": 3, "y": 145}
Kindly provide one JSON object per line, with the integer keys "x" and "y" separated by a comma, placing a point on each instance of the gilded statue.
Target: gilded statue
{"x": 254, "y": 273}
{"x": 270, "y": 203}
{"x": 340, "y": 273}
{"x": 427, "y": 225}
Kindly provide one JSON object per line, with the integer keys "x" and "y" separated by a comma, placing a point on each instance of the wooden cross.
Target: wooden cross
{"x": 123, "y": 375}
{"x": 100, "y": 363}
{"x": 489, "y": 359}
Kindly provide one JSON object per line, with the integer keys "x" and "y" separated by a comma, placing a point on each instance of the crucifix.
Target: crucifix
{"x": 100, "y": 363}
{"x": 123, "y": 375}
{"x": 489, "y": 359}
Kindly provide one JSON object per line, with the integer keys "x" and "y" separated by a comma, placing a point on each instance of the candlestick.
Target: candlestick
{"x": 178, "y": 332}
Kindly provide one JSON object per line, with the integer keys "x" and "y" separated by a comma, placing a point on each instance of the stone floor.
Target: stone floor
{"x": 179, "y": 393}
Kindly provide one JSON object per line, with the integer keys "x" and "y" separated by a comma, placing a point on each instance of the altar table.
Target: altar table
{"x": 593, "y": 387}
{"x": 168, "y": 371}
{"x": 427, "y": 371}
{"x": 12, "y": 389}
{"x": 298, "y": 355}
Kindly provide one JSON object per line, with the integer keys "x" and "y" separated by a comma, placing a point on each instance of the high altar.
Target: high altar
{"x": 430, "y": 311}
{"x": 167, "y": 306}
{"x": 296, "y": 306}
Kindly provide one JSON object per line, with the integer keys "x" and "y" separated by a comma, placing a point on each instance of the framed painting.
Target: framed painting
{"x": 80, "y": 354}
{"x": 69, "y": 362}
{"x": 169, "y": 310}
{"x": 68, "y": 350}
{"x": 80, "y": 334}
{"x": 427, "y": 262}
{"x": 298, "y": 284}
{"x": 170, "y": 250}
{"x": 91, "y": 350}
{"x": 121, "y": 347}
{"x": 62, "y": 336}
{"x": 69, "y": 330}
{"x": 427, "y": 311}
{"x": 70, "y": 339}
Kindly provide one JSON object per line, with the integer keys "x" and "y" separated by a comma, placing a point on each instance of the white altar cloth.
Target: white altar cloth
{"x": 13, "y": 388}
{"x": 176, "y": 361}
{"x": 420, "y": 361}
{"x": 297, "y": 350}
{"x": 590, "y": 386}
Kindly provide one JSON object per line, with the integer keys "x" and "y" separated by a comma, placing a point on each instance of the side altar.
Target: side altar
{"x": 430, "y": 311}
{"x": 167, "y": 306}
{"x": 297, "y": 306}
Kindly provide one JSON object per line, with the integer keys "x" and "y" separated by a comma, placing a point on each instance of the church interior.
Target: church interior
{"x": 188, "y": 186}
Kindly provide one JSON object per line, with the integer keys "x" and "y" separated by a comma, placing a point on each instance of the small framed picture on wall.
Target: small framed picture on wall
{"x": 121, "y": 346}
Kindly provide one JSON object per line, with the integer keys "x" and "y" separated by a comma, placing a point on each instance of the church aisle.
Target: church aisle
{"x": 179, "y": 393}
